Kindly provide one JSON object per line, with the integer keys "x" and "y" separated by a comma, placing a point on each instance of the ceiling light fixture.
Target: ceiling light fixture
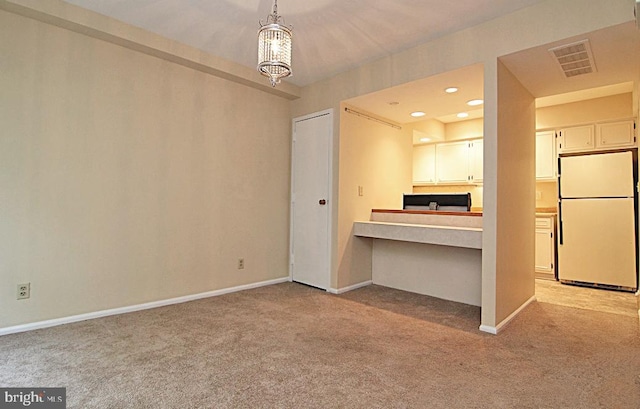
{"x": 475, "y": 102}
{"x": 418, "y": 114}
{"x": 274, "y": 48}
{"x": 451, "y": 90}
{"x": 462, "y": 115}
{"x": 425, "y": 139}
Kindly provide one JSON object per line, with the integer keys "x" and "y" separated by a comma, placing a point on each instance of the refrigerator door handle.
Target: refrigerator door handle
{"x": 560, "y": 234}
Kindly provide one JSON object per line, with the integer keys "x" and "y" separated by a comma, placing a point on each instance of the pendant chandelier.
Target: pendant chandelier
{"x": 274, "y": 48}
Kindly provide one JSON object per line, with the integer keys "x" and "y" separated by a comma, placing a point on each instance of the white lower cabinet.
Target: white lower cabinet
{"x": 545, "y": 254}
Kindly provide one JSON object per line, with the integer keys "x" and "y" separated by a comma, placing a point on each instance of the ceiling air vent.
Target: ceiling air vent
{"x": 575, "y": 58}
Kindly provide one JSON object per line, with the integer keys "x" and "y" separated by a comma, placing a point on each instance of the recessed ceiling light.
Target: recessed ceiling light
{"x": 417, "y": 114}
{"x": 462, "y": 115}
{"x": 425, "y": 139}
{"x": 451, "y": 90}
{"x": 475, "y": 102}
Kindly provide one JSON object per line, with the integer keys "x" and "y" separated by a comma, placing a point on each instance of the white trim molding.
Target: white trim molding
{"x": 133, "y": 308}
{"x": 349, "y": 288}
{"x": 495, "y": 330}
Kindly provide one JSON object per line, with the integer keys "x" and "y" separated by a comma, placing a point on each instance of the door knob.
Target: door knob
{"x": 322, "y": 202}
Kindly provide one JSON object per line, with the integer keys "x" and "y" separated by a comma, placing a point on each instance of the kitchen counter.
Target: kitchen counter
{"x": 440, "y": 213}
{"x": 545, "y": 211}
{"x": 456, "y": 229}
{"x": 467, "y": 237}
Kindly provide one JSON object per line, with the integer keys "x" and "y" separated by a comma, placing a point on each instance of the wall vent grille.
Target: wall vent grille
{"x": 574, "y": 59}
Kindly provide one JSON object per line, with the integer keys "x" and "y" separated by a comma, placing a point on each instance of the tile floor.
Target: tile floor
{"x": 614, "y": 302}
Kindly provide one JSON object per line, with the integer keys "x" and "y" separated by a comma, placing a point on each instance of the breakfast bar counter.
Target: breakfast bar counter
{"x": 428, "y": 252}
{"x": 457, "y": 229}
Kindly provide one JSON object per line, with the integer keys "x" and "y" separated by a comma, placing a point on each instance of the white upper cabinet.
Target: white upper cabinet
{"x": 546, "y": 155}
{"x": 452, "y": 162}
{"x": 424, "y": 164}
{"x": 615, "y": 134}
{"x": 576, "y": 139}
{"x": 476, "y": 160}
{"x": 601, "y": 136}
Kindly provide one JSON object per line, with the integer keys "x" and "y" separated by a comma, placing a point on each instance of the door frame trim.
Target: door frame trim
{"x": 330, "y": 208}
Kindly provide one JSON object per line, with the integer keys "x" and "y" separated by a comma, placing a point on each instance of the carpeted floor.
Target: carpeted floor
{"x": 291, "y": 346}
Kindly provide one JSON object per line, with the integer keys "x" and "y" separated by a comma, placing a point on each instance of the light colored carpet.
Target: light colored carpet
{"x": 291, "y": 346}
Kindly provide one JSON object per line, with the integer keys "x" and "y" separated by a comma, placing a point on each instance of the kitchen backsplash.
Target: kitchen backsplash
{"x": 547, "y": 194}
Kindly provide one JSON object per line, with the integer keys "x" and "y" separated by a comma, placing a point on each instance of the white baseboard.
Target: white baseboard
{"x": 495, "y": 330}
{"x": 138, "y": 307}
{"x": 349, "y": 288}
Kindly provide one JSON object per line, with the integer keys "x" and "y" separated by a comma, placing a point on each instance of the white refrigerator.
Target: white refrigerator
{"x": 597, "y": 228}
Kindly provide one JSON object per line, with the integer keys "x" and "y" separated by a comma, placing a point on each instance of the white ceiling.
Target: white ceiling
{"x": 428, "y": 95}
{"x": 331, "y": 36}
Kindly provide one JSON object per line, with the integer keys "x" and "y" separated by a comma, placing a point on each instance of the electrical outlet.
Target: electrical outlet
{"x": 24, "y": 291}
{"x": 240, "y": 263}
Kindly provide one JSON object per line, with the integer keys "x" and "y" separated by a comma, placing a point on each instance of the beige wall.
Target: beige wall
{"x": 473, "y": 128}
{"x": 127, "y": 179}
{"x": 516, "y": 195}
{"x": 589, "y": 111}
{"x": 450, "y": 273}
{"x": 548, "y": 191}
{"x": 432, "y": 128}
{"x": 378, "y": 158}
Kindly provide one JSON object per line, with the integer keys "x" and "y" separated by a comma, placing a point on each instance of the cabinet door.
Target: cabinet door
{"x": 476, "y": 158}
{"x": 452, "y": 162}
{"x": 545, "y": 155}
{"x": 615, "y": 134}
{"x": 424, "y": 164}
{"x": 576, "y": 139}
{"x": 544, "y": 251}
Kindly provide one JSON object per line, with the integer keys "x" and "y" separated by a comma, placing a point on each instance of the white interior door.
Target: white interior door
{"x": 311, "y": 203}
